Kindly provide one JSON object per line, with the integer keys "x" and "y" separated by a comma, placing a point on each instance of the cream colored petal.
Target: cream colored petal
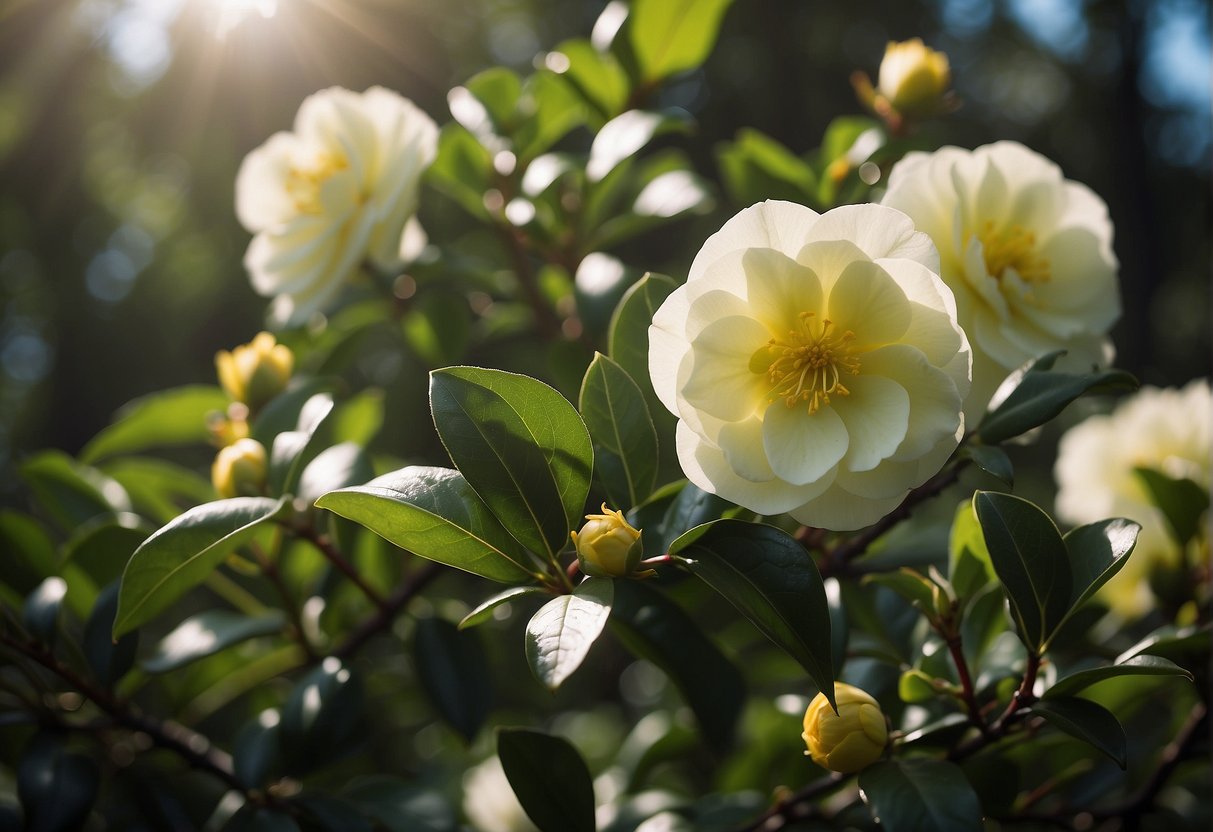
{"x": 878, "y": 231}
{"x": 841, "y": 511}
{"x": 866, "y": 300}
{"x": 705, "y": 465}
{"x": 709, "y": 307}
{"x": 886, "y": 481}
{"x": 778, "y": 289}
{"x": 741, "y": 444}
{"x": 802, "y": 447}
{"x": 668, "y": 345}
{"x": 876, "y": 414}
{"x": 721, "y": 382}
{"x": 783, "y": 226}
{"x": 934, "y": 401}
{"x": 262, "y": 200}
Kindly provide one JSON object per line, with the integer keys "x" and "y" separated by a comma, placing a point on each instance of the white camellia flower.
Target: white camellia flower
{"x": 334, "y": 193}
{"x": 1169, "y": 431}
{"x": 489, "y": 801}
{"x": 814, "y": 363}
{"x": 1027, "y": 252}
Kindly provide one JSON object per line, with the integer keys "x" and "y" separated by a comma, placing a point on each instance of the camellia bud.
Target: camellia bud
{"x": 240, "y": 469}
{"x": 914, "y": 78}
{"x": 607, "y": 545}
{"x": 255, "y": 372}
{"x": 849, "y": 740}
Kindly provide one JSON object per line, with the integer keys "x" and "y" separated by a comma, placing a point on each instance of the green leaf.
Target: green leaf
{"x": 621, "y": 430}
{"x": 160, "y": 490}
{"x": 207, "y": 633}
{"x": 321, "y": 716}
{"x": 561, "y": 633}
{"x": 435, "y": 514}
{"x": 497, "y": 91}
{"x": 1031, "y": 561}
{"x": 910, "y": 795}
{"x": 550, "y": 779}
{"x": 550, "y": 107}
{"x": 72, "y": 493}
{"x": 626, "y": 134}
{"x": 329, "y": 814}
{"x": 463, "y": 169}
{"x": 359, "y": 418}
{"x": 969, "y": 566}
{"x": 671, "y": 36}
{"x": 755, "y": 167}
{"x": 658, "y": 630}
{"x": 56, "y": 787}
{"x": 102, "y": 546}
{"x": 170, "y": 417}
{"x": 1183, "y": 502}
{"x": 484, "y": 610}
{"x": 907, "y": 583}
{"x": 30, "y": 553}
{"x": 109, "y": 660}
{"x": 520, "y": 445}
{"x": 597, "y": 77}
{"x": 290, "y": 448}
{"x": 286, "y": 411}
{"x": 1037, "y": 394}
{"x": 253, "y": 818}
{"x": 452, "y": 668}
{"x": 182, "y": 554}
{"x": 772, "y": 581}
{"x": 1136, "y": 666}
{"x": 991, "y": 459}
{"x": 1087, "y": 721}
{"x": 1096, "y": 552}
{"x": 401, "y": 806}
{"x": 257, "y": 750}
{"x": 40, "y": 614}
{"x": 438, "y": 326}
{"x": 337, "y": 467}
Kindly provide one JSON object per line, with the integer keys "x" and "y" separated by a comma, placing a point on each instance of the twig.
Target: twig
{"x": 325, "y": 546}
{"x": 792, "y": 807}
{"x": 968, "y": 694}
{"x": 269, "y": 568}
{"x": 1014, "y": 713}
{"x": 392, "y": 605}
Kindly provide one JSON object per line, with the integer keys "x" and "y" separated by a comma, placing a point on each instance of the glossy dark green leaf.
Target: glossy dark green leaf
{"x": 207, "y": 633}
{"x": 183, "y": 553}
{"x": 917, "y": 794}
{"x": 401, "y": 806}
{"x": 321, "y": 716}
{"x": 622, "y": 432}
{"x": 627, "y": 134}
{"x": 1183, "y": 502}
{"x": 1096, "y": 552}
{"x": 969, "y": 566}
{"x": 561, "y": 633}
{"x": 30, "y": 552}
{"x": 1038, "y": 394}
{"x": 597, "y": 77}
{"x": 772, "y": 581}
{"x": 109, "y": 660}
{"x": 628, "y": 344}
{"x": 1031, "y": 561}
{"x": 257, "y": 750}
{"x": 330, "y": 814}
{"x": 285, "y": 412}
{"x": 72, "y": 493}
{"x": 253, "y": 818}
{"x": 170, "y": 417}
{"x": 290, "y": 448}
{"x": 40, "y": 615}
{"x": 434, "y": 513}
{"x": 755, "y": 167}
{"x": 102, "y": 546}
{"x": 1136, "y": 666}
{"x": 1175, "y": 643}
{"x": 486, "y": 608}
{"x": 658, "y": 630}
{"x": 993, "y": 460}
{"x": 1087, "y": 721}
{"x": 521, "y": 446}
{"x": 907, "y": 583}
{"x": 452, "y": 668}
{"x": 672, "y": 36}
{"x": 56, "y": 786}
{"x": 337, "y": 467}
{"x": 550, "y": 779}
{"x": 160, "y": 490}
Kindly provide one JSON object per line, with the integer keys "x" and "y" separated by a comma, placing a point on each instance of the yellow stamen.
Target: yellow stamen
{"x": 1013, "y": 248}
{"x": 303, "y": 181}
{"x": 807, "y": 365}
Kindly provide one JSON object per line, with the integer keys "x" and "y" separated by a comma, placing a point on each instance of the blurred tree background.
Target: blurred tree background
{"x": 123, "y": 123}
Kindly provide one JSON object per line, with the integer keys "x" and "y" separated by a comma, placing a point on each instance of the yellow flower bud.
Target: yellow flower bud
{"x": 240, "y": 469}
{"x": 849, "y": 740}
{"x": 254, "y": 373}
{"x": 227, "y": 429}
{"x": 607, "y": 545}
{"x": 914, "y": 78}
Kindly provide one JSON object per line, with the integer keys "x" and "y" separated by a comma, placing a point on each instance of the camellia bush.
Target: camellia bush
{"x": 735, "y": 549}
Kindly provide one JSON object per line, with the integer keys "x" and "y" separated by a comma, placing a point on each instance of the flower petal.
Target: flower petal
{"x": 802, "y": 447}
{"x": 843, "y": 511}
{"x": 876, "y": 415}
{"x": 667, "y": 346}
{"x": 778, "y": 289}
{"x": 866, "y": 300}
{"x": 721, "y": 382}
{"x": 878, "y": 231}
{"x": 934, "y": 401}
{"x": 775, "y": 224}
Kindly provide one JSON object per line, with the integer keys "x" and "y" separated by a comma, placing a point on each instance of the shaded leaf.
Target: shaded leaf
{"x": 72, "y": 493}
{"x": 1136, "y": 666}
{"x": 56, "y": 787}
{"x": 321, "y": 716}
{"x": 40, "y": 615}
{"x": 485, "y": 609}
{"x": 621, "y": 430}
{"x": 1096, "y": 552}
{"x": 257, "y": 750}
{"x": 561, "y": 633}
{"x": 290, "y": 448}
{"x": 772, "y": 581}
{"x": 991, "y": 459}
{"x": 755, "y": 167}
{"x": 207, "y": 633}
{"x": 1183, "y": 502}
{"x": 1087, "y": 721}
{"x": 400, "y": 806}
{"x": 969, "y": 566}
{"x": 109, "y": 660}
{"x": 435, "y": 514}
{"x": 550, "y": 779}
{"x": 180, "y": 555}
{"x": 333, "y": 468}
{"x": 170, "y": 417}
{"x": 452, "y": 669}
{"x": 910, "y": 795}
{"x": 520, "y": 445}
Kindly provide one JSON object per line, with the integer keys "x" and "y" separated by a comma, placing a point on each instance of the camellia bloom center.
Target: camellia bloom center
{"x": 807, "y": 365}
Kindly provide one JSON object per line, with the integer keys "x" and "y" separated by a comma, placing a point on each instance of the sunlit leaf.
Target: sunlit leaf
{"x": 1136, "y": 666}
{"x": 671, "y": 36}
{"x": 755, "y": 167}
{"x": 626, "y": 134}
{"x": 290, "y": 448}
{"x": 207, "y": 633}
{"x": 487, "y": 608}
{"x": 596, "y": 75}
{"x": 1096, "y": 552}
{"x": 70, "y": 492}
{"x": 561, "y": 633}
